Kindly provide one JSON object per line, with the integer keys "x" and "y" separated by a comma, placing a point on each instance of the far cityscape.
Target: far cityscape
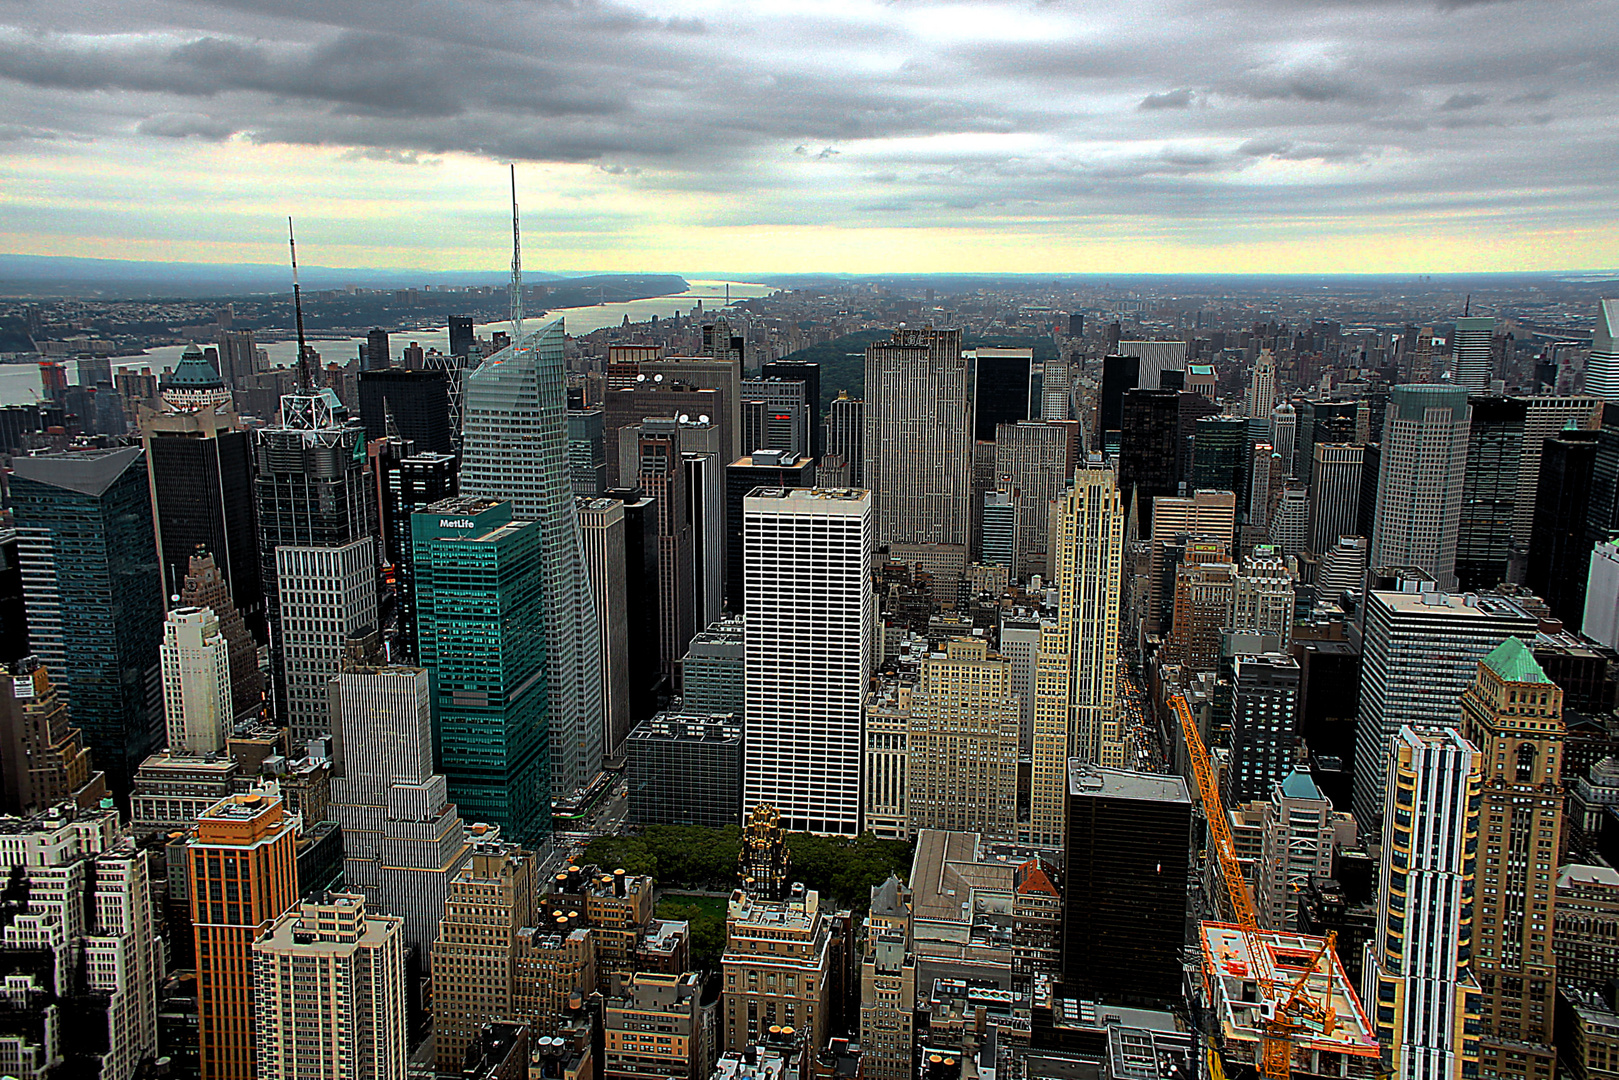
{"x": 650, "y": 678}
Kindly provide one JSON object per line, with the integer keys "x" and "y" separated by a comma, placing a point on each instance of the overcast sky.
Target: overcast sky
{"x": 690, "y": 135}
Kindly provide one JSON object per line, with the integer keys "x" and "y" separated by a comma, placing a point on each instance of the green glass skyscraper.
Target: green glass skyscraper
{"x": 479, "y": 588}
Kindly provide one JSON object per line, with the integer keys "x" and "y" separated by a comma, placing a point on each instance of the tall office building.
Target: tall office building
{"x": 712, "y": 678}
{"x": 1419, "y": 965}
{"x": 480, "y": 578}
{"x": 1472, "y": 353}
{"x": 762, "y": 468}
{"x": 587, "y": 452}
{"x": 1343, "y": 569}
{"x": 1601, "y": 622}
{"x": 200, "y": 469}
{"x": 243, "y": 874}
{"x": 1322, "y": 422}
{"x": 238, "y": 356}
{"x": 411, "y": 403}
{"x": 94, "y": 596}
{"x": 1284, "y": 434}
{"x": 1156, "y": 358}
{"x": 1495, "y": 443}
{"x": 460, "y": 335}
{"x": 515, "y": 446}
{"x": 411, "y": 484}
{"x": 1419, "y": 651}
{"x": 1119, "y": 375}
{"x": 641, "y": 594}
{"x": 1602, "y": 367}
{"x": 1148, "y": 449}
{"x": 1033, "y": 460}
{"x": 196, "y": 681}
{"x": 919, "y": 438}
{"x": 653, "y": 395}
{"x": 1335, "y": 494}
{"x": 1544, "y": 418}
{"x": 490, "y": 900}
{"x": 205, "y": 587}
{"x": 783, "y": 421}
{"x": 1420, "y": 480}
{"x": 1264, "y": 725}
{"x": 888, "y": 986}
{"x": 1262, "y": 598}
{"x": 809, "y": 374}
{"x": 1264, "y": 482}
{"x": 1003, "y": 390}
{"x": 315, "y": 547}
{"x": 377, "y": 354}
{"x": 1076, "y": 671}
{"x": 705, "y": 511}
{"x": 811, "y": 641}
{"x": 1513, "y": 715}
{"x": 1559, "y": 545}
{"x": 1297, "y": 836}
{"x": 845, "y": 435}
{"x": 329, "y": 991}
{"x": 722, "y": 378}
{"x": 661, "y": 477}
{"x": 43, "y": 762}
{"x": 1220, "y": 454}
{"x": 403, "y": 840}
{"x": 602, "y": 527}
{"x": 80, "y": 940}
{"x": 962, "y": 766}
{"x": 1261, "y": 399}
{"x": 1128, "y": 850}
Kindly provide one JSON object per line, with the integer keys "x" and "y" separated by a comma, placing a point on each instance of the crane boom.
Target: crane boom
{"x": 1239, "y": 901}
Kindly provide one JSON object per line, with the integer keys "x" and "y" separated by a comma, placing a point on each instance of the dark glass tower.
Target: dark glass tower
{"x": 1001, "y": 390}
{"x": 1559, "y": 549}
{"x": 415, "y": 482}
{"x": 95, "y": 596}
{"x": 1220, "y": 455}
{"x": 201, "y": 463}
{"x": 460, "y": 335}
{"x": 419, "y": 401}
{"x": 641, "y": 591}
{"x": 1129, "y": 849}
{"x": 1149, "y": 428}
{"x": 1119, "y": 374}
{"x": 1321, "y": 422}
{"x": 1489, "y": 492}
{"x": 762, "y": 468}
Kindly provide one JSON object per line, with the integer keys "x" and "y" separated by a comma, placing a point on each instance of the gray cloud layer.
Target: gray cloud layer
{"x": 1180, "y": 110}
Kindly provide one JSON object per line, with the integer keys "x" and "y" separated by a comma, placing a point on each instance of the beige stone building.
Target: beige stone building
{"x": 963, "y": 745}
{"x": 777, "y": 968}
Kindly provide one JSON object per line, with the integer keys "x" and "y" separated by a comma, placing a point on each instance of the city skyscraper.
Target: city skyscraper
{"x": 963, "y": 745}
{"x": 205, "y": 587}
{"x": 779, "y": 418}
{"x": 416, "y": 403}
{"x": 1602, "y": 367}
{"x": 1544, "y": 418}
{"x": 377, "y": 354}
{"x": 1419, "y": 965}
{"x": 809, "y": 374}
{"x": 43, "y": 761}
{"x": 460, "y": 335}
{"x": 1420, "y": 480}
{"x": 317, "y": 559}
{"x": 919, "y": 439}
{"x": 1335, "y": 494}
{"x": 810, "y": 645}
{"x": 845, "y": 435}
{"x": 1003, "y": 389}
{"x": 602, "y": 527}
{"x": 1076, "y": 670}
{"x": 196, "y": 681}
{"x": 243, "y": 874}
{"x": 403, "y": 840}
{"x": 1034, "y": 460}
{"x": 1149, "y": 450}
{"x": 515, "y": 446}
{"x": 329, "y": 991}
{"x": 480, "y": 578}
{"x": 1120, "y": 374}
{"x": 1513, "y": 715}
{"x": 94, "y": 596}
{"x": 1495, "y": 442}
{"x": 410, "y": 484}
{"x": 1284, "y": 433}
{"x": 1472, "y": 353}
{"x": 1220, "y": 455}
{"x": 200, "y": 464}
{"x": 1264, "y": 725}
{"x": 1261, "y": 387}
{"x": 762, "y": 468}
{"x": 1559, "y": 546}
{"x": 1419, "y": 651}
{"x": 661, "y": 476}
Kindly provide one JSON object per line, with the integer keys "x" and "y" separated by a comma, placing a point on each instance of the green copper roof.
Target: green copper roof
{"x": 1300, "y": 785}
{"x": 194, "y": 372}
{"x": 1513, "y": 661}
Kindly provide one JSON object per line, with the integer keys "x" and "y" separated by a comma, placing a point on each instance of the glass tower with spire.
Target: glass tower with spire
{"x": 515, "y": 447}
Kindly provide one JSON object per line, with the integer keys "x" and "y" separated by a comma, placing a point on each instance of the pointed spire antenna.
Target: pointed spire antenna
{"x": 517, "y": 269}
{"x": 1467, "y": 308}
{"x": 304, "y": 383}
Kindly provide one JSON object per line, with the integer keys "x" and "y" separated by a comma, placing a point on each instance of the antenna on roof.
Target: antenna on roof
{"x": 517, "y": 269}
{"x": 304, "y": 383}
{"x": 1468, "y": 306}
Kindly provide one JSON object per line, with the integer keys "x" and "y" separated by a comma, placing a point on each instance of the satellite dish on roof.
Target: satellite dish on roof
{"x": 702, "y": 418}
{"x": 685, "y": 418}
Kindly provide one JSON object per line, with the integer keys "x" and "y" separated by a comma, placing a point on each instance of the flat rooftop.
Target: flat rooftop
{"x": 1249, "y": 972}
{"x": 1087, "y": 779}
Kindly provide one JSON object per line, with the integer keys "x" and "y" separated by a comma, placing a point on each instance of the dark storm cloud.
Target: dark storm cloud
{"x": 1042, "y": 111}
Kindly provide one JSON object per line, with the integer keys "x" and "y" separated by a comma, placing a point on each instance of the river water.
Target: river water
{"x": 20, "y": 383}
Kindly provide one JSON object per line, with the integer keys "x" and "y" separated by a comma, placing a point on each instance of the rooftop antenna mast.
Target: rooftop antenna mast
{"x": 304, "y": 383}
{"x": 517, "y": 269}
{"x": 1467, "y": 308}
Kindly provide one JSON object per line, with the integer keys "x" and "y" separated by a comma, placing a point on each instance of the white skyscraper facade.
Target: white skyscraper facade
{"x": 326, "y": 595}
{"x": 196, "y": 681}
{"x": 1284, "y": 433}
{"x": 1602, "y": 595}
{"x": 1419, "y": 482}
{"x": 1418, "y": 967}
{"x": 1262, "y": 386}
{"x": 515, "y": 446}
{"x": 1602, "y": 367}
{"x": 809, "y": 647}
{"x": 1472, "y": 353}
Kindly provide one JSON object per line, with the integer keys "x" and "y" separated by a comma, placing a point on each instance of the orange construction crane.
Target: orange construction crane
{"x": 1297, "y": 1010}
